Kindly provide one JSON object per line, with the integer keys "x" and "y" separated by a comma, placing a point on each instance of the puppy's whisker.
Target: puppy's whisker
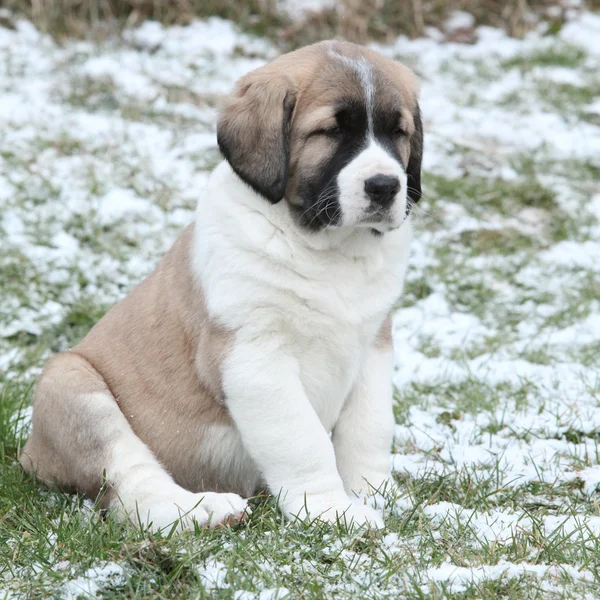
{"x": 324, "y": 197}
{"x": 420, "y": 212}
{"x": 324, "y": 202}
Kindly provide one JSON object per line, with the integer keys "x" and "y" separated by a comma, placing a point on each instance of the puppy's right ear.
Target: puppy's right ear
{"x": 254, "y": 128}
{"x": 413, "y": 169}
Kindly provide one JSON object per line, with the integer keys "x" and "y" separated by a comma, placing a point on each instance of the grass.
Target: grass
{"x": 556, "y": 55}
{"x": 568, "y": 97}
{"x": 497, "y": 396}
{"x": 39, "y": 530}
{"x": 482, "y": 195}
{"x": 470, "y": 396}
{"x": 572, "y": 100}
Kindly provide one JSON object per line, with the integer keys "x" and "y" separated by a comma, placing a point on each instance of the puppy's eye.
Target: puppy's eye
{"x": 398, "y": 131}
{"x": 331, "y": 131}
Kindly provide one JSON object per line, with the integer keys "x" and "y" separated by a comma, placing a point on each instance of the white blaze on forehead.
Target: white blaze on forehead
{"x": 364, "y": 70}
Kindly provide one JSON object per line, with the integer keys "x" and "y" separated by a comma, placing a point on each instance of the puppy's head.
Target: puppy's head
{"x": 333, "y": 128}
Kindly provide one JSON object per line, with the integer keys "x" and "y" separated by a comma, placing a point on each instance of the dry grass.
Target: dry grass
{"x": 354, "y": 20}
{"x": 360, "y": 20}
{"x": 97, "y": 17}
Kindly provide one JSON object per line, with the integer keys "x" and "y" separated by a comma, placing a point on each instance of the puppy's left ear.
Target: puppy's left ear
{"x": 254, "y": 128}
{"x": 413, "y": 169}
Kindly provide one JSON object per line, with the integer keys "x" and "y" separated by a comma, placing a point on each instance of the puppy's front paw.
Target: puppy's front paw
{"x": 186, "y": 509}
{"x": 335, "y": 509}
{"x": 370, "y": 484}
{"x": 361, "y": 516}
{"x": 381, "y": 496}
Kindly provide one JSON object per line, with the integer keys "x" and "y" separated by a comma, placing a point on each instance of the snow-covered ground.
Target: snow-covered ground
{"x": 104, "y": 151}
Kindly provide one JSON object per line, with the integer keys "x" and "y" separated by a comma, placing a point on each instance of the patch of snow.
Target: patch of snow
{"x": 299, "y": 9}
{"x": 590, "y": 477}
{"x": 459, "y": 19}
{"x": 583, "y": 31}
{"x": 9, "y": 358}
{"x": 583, "y": 527}
{"x": 270, "y": 594}
{"x": 582, "y": 255}
{"x": 93, "y": 580}
{"x": 22, "y": 421}
{"x": 594, "y": 205}
{"x": 458, "y": 579}
{"x": 148, "y": 36}
{"x": 558, "y": 75}
{"x": 119, "y": 203}
{"x": 213, "y": 574}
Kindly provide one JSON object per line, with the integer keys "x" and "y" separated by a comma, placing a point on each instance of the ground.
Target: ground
{"x": 104, "y": 151}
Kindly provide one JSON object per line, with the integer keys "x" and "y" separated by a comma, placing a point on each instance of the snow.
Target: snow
{"x": 584, "y": 255}
{"x": 575, "y": 527}
{"x": 213, "y": 575}
{"x": 434, "y": 319}
{"x": 297, "y": 9}
{"x": 458, "y": 579}
{"x": 92, "y": 581}
{"x": 270, "y": 594}
{"x": 120, "y": 203}
{"x": 112, "y": 143}
{"x": 583, "y": 32}
{"x": 22, "y": 421}
{"x": 459, "y": 19}
{"x": 594, "y": 206}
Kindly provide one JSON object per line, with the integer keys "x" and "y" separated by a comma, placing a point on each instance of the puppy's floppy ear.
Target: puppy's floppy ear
{"x": 413, "y": 169}
{"x": 254, "y": 128}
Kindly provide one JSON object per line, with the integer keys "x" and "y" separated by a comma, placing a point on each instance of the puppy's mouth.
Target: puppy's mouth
{"x": 377, "y": 215}
{"x": 382, "y": 220}
{"x": 386, "y": 223}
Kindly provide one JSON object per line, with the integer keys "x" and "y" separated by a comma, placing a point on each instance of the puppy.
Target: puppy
{"x": 258, "y": 353}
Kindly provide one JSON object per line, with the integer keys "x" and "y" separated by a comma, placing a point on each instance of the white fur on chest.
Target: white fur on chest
{"x": 322, "y": 296}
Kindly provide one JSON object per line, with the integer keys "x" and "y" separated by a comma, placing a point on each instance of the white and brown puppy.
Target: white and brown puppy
{"x": 266, "y": 327}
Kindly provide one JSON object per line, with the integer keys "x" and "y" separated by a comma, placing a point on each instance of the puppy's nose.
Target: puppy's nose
{"x": 381, "y": 189}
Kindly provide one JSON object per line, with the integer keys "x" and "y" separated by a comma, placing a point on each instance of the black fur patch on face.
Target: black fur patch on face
{"x": 387, "y": 133}
{"x": 319, "y": 194}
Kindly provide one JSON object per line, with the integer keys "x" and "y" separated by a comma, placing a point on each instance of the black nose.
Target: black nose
{"x": 381, "y": 189}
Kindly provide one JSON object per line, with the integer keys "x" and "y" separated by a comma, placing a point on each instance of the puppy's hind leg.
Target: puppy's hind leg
{"x": 81, "y": 440}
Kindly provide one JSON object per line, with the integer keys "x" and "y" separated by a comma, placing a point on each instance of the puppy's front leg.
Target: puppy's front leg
{"x": 363, "y": 435}
{"x": 283, "y": 434}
